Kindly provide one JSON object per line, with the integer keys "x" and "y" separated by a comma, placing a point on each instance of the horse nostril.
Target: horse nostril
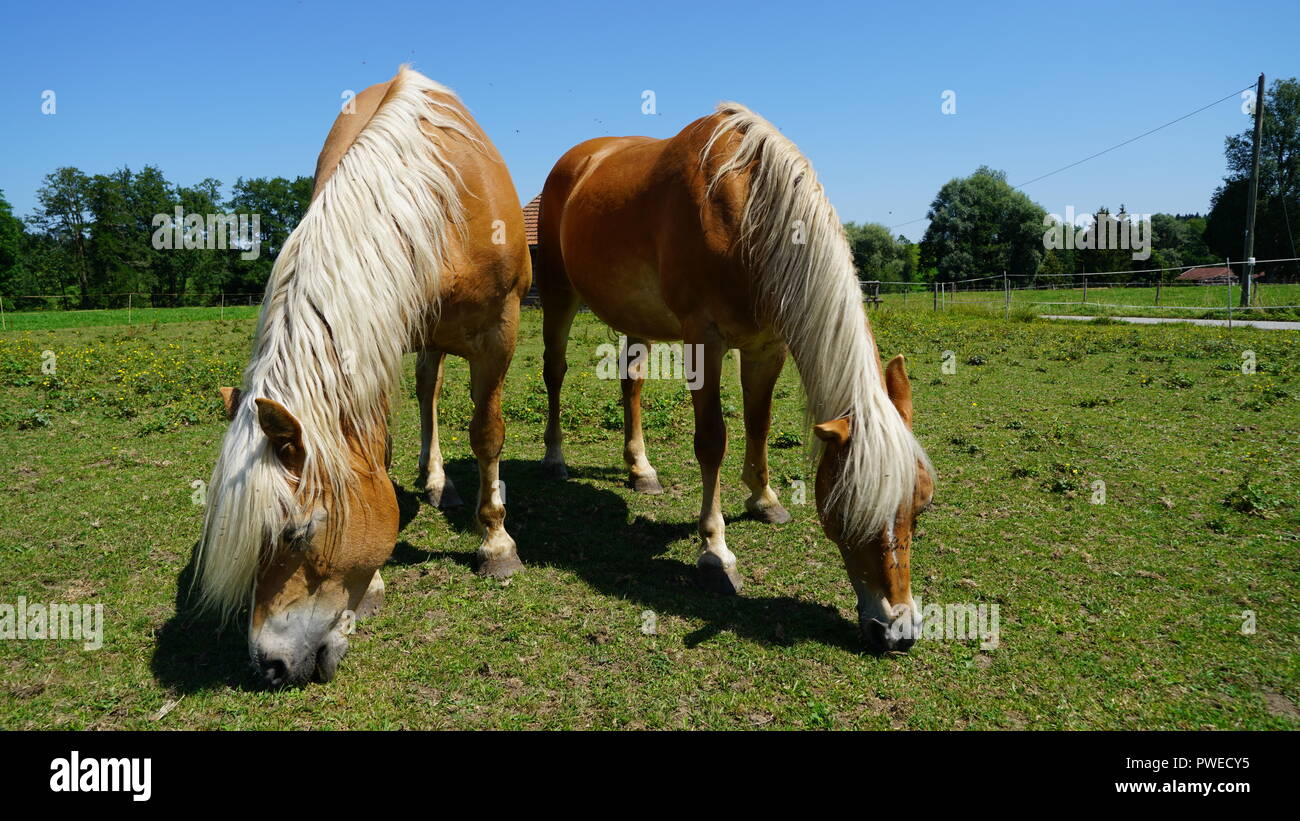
{"x": 877, "y": 635}
{"x": 274, "y": 671}
{"x": 882, "y": 638}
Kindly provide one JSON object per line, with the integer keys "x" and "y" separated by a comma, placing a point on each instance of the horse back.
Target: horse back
{"x": 487, "y": 256}
{"x": 633, "y": 225}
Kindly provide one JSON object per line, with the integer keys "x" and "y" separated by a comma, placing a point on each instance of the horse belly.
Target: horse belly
{"x": 626, "y": 297}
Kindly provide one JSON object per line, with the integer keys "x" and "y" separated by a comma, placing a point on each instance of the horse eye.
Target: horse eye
{"x": 298, "y": 538}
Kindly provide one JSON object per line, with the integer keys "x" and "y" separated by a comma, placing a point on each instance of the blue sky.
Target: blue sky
{"x": 249, "y": 89}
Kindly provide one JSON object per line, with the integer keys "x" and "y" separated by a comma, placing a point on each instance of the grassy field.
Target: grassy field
{"x": 1122, "y": 615}
{"x": 1275, "y": 301}
{"x": 112, "y": 317}
{"x": 1199, "y": 303}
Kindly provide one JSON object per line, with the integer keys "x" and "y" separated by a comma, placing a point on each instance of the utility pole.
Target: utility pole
{"x": 1247, "y": 283}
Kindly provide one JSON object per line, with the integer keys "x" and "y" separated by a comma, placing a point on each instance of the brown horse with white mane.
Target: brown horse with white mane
{"x": 414, "y": 240}
{"x": 722, "y": 237}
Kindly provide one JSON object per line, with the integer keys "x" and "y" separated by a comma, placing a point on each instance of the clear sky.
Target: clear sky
{"x": 236, "y": 88}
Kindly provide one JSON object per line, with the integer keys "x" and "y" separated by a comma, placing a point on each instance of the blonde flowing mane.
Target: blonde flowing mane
{"x": 355, "y": 280}
{"x": 810, "y": 293}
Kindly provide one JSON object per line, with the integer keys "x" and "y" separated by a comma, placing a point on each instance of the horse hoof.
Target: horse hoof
{"x": 724, "y": 581}
{"x": 373, "y": 601}
{"x": 647, "y": 484}
{"x": 500, "y": 567}
{"x": 772, "y": 514}
{"x": 444, "y": 499}
{"x": 555, "y": 470}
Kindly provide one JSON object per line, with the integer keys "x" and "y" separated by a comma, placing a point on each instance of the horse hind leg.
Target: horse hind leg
{"x": 559, "y": 307}
{"x": 432, "y": 480}
{"x": 759, "y": 370}
{"x": 641, "y": 475}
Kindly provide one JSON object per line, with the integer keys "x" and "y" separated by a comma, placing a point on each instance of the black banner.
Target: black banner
{"x": 141, "y": 771}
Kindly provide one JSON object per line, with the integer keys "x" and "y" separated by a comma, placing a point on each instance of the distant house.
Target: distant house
{"x": 1212, "y": 275}
{"x": 531, "y": 211}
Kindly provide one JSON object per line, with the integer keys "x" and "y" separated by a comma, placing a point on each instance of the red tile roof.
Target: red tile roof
{"x": 1211, "y": 272}
{"x": 1206, "y": 272}
{"x": 530, "y": 219}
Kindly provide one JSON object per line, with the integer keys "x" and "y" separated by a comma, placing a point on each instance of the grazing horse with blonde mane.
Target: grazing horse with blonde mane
{"x": 722, "y": 237}
{"x": 414, "y": 240}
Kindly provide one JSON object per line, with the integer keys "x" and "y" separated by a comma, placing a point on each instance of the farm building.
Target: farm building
{"x": 1212, "y": 275}
{"x": 531, "y": 210}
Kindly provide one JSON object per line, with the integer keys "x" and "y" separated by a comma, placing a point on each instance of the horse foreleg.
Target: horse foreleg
{"x": 373, "y": 600}
{"x": 717, "y": 564}
{"x": 437, "y": 488}
{"x": 496, "y": 555}
{"x": 641, "y": 476}
{"x": 759, "y": 370}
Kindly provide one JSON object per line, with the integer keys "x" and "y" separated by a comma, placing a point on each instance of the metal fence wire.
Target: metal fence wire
{"x": 128, "y": 301}
{"x": 1104, "y": 291}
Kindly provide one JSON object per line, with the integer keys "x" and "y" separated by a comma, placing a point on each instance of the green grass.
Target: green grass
{"x": 1200, "y": 303}
{"x": 111, "y": 317}
{"x": 1125, "y": 615}
{"x": 1275, "y": 301}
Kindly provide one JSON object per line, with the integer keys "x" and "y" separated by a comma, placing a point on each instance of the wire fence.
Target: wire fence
{"x": 133, "y": 303}
{"x": 1100, "y": 292}
{"x": 1149, "y": 292}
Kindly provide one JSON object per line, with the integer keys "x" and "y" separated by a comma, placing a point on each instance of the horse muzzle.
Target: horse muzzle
{"x": 894, "y": 631}
{"x": 288, "y": 651}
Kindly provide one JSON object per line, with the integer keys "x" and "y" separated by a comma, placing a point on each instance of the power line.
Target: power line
{"x": 1108, "y": 150}
{"x": 1134, "y": 139}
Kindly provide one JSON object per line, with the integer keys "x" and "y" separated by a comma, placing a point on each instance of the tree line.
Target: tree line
{"x": 95, "y": 237}
{"x": 981, "y": 226}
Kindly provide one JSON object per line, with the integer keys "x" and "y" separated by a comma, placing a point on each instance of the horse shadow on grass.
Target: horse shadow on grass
{"x": 194, "y": 651}
{"x": 585, "y": 529}
{"x": 571, "y": 525}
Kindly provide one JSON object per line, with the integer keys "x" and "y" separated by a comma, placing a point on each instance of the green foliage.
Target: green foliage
{"x": 104, "y": 235}
{"x": 1277, "y": 219}
{"x": 11, "y": 245}
{"x": 1249, "y": 498}
{"x": 878, "y": 255}
{"x": 980, "y": 225}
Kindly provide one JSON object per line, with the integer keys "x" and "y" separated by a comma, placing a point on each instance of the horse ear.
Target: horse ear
{"x": 899, "y": 388}
{"x": 231, "y": 397}
{"x": 282, "y": 429}
{"x": 834, "y": 432}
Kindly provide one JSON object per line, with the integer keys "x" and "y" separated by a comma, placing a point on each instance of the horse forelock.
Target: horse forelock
{"x": 812, "y": 297}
